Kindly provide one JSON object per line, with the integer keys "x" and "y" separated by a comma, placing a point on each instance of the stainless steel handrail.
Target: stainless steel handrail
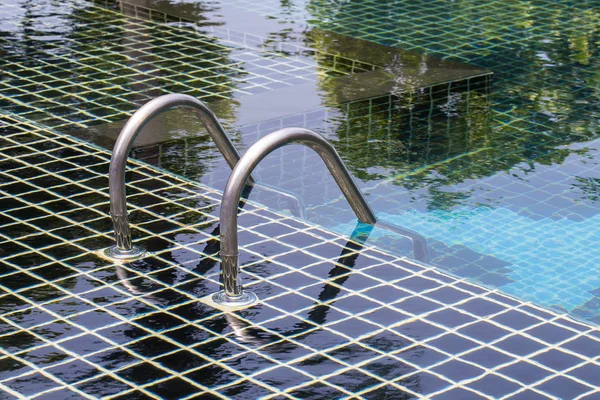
{"x": 420, "y": 249}
{"x": 123, "y": 249}
{"x": 233, "y": 294}
{"x": 301, "y": 209}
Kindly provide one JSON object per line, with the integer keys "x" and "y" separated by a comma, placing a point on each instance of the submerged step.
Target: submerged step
{"x": 412, "y": 81}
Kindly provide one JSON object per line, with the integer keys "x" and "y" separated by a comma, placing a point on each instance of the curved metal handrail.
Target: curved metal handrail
{"x": 420, "y": 250}
{"x": 233, "y": 295}
{"x": 124, "y": 249}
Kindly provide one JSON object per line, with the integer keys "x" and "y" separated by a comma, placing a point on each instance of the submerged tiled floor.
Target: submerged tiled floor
{"x": 337, "y": 318}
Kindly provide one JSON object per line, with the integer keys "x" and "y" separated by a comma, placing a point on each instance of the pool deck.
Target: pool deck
{"x": 337, "y": 319}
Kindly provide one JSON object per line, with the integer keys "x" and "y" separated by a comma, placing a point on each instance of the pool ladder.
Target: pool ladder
{"x": 123, "y": 249}
{"x": 233, "y": 294}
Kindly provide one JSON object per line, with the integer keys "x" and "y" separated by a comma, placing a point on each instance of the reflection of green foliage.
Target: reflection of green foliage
{"x": 546, "y": 93}
{"x": 590, "y": 187}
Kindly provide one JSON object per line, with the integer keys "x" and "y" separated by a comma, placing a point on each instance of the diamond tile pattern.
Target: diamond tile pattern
{"x": 75, "y": 324}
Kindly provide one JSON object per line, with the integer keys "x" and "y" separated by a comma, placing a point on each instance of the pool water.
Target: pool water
{"x": 512, "y": 195}
{"x": 507, "y": 173}
{"x": 473, "y": 123}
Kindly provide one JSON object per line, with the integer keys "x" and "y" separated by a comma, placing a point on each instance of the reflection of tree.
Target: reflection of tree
{"x": 590, "y": 187}
{"x": 550, "y": 89}
{"x": 196, "y": 10}
{"x": 102, "y": 65}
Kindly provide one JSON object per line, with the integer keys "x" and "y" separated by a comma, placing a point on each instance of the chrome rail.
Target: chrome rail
{"x": 420, "y": 250}
{"x": 233, "y": 294}
{"x": 124, "y": 250}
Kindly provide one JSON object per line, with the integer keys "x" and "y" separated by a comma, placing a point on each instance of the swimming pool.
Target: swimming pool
{"x": 499, "y": 174}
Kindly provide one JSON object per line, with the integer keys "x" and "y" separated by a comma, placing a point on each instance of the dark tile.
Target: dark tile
{"x": 453, "y": 344}
{"x": 385, "y": 316}
{"x": 450, "y": 318}
{"x": 319, "y": 365}
{"x": 112, "y": 359}
{"x": 321, "y": 339}
{"x": 353, "y": 327}
{"x": 418, "y": 330}
{"x": 44, "y": 356}
{"x": 388, "y": 392}
{"x": 583, "y": 345}
{"x": 494, "y": 386}
{"x": 484, "y": 331}
{"x": 151, "y": 347}
{"x": 293, "y": 302}
{"x": 74, "y": 371}
{"x": 212, "y": 375}
{"x": 353, "y": 381}
{"x": 551, "y": 333}
{"x": 424, "y": 383}
{"x": 516, "y": 320}
{"x": 355, "y": 304}
{"x": 159, "y": 321}
{"x": 458, "y": 370}
{"x": 448, "y": 295}
{"x": 387, "y": 341}
{"x": 519, "y": 345}
{"x": 297, "y": 259}
{"x": 388, "y": 273}
{"x": 283, "y": 378}
{"x": 103, "y": 386}
{"x": 386, "y": 294}
{"x": 175, "y": 388}
{"x": 10, "y": 367}
{"x": 525, "y": 372}
{"x": 487, "y": 357}
{"x": 297, "y": 239}
{"x": 417, "y": 305}
{"x": 589, "y": 373}
{"x": 63, "y": 394}
{"x": 421, "y": 356}
{"x": 19, "y": 281}
{"x": 418, "y": 284}
{"x": 244, "y": 390}
{"x": 182, "y": 361}
{"x": 94, "y": 319}
{"x": 481, "y": 307}
{"x": 458, "y": 393}
{"x": 142, "y": 374}
{"x": 359, "y": 282}
{"x": 317, "y": 391}
{"x": 31, "y": 384}
{"x": 352, "y": 353}
{"x": 271, "y": 248}
{"x": 288, "y": 326}
{"x": 557, "y": 360}
{"x": 563, "y": 388}
{"x": 388, "y": 368}
{"x": 249, "y": 363}
{"x": 286, "y": 351}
